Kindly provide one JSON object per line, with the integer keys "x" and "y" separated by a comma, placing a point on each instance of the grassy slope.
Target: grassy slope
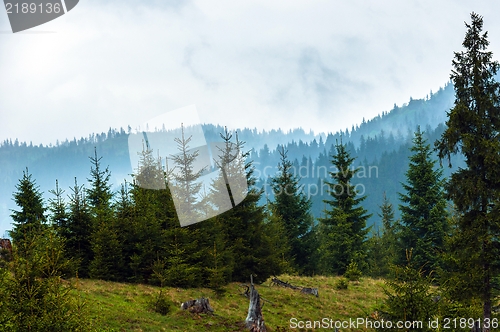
{"x": 123, "y": 307}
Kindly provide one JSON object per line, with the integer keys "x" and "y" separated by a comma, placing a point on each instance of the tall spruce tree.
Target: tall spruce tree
{"x": 186, "y": 185}
{"x": 78, "y": 232}
{"x": 423, "y": 208}
{"x": 294, "y": 209}
{"x": 246, "y": 237}
{"x": 30, "y": 219}
{"x": 150, "y": 210}
{"x": 107, "y": 262}
{"x": 343, "y": 228}
{"x": 473, "y": 127}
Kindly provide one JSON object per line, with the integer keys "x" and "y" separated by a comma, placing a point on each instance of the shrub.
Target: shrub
{"x": 342, "y": 283}
{"x": 353, "y": 273}
{"x": 161, "y": 304}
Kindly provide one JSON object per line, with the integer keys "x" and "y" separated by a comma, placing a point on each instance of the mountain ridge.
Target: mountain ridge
{"x": 67, "y": 160}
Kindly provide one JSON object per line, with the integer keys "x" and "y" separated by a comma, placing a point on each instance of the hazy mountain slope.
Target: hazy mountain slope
{"x": 381, "y": 142}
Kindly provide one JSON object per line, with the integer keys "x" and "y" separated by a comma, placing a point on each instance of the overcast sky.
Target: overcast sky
{"x": 320, "y": 65}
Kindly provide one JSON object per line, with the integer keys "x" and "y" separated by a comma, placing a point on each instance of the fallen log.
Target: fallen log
{"x": 276, "y": 282}
{"x": 198, "y": 306}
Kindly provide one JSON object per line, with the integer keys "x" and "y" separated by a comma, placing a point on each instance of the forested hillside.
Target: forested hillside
{"x": 380, "y": 145}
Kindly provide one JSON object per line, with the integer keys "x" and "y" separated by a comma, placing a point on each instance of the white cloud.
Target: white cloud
{"x": 322, "y": 65}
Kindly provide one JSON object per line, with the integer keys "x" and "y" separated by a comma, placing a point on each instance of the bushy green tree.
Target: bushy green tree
{"x": 244, "y": 228}
{"x": 423, "y": 208}
{"x": 343, "y": 229}
{"x": 34, "y": 296}
{"x": 30, "y": 219}
{"x": 107, "y": 261}
{"x": 294, "y": 209}
{"x": 382, "y": 246}
{"x": 410, "y": 297}
{"x": 78, "y": 231}
{"x": 472, "y": 130}
{"x": 57, "y": 208}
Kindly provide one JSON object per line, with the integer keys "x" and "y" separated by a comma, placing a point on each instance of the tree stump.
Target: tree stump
{"x": 255, "y": 321}
{"x": 312, "y": 291}
{"x": 198, "y": 306}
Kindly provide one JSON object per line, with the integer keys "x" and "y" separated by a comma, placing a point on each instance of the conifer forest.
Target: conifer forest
{"x": 410, "y": 198}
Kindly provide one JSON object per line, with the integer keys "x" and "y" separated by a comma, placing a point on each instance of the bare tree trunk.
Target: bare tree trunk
{"x": 255, "y": 321}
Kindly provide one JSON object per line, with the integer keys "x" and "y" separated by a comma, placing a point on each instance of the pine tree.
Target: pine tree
{"x": 185, "y": 185}
{"x": 251, "y": 249}
{"x": 107, "y": 262}
{"x": 31, "y": 219}
{"x": 34, "y": 297}
{"x": 293, "y": 208}
{"x": 150, "y": 209}
{"x": 423, "y": 208}
{"x": 382, "y": 246}
{"x": 125, "y": 222}
{"x": 57, "y": 208}
{"x": 78, "y": 232}
{"x": 472, "y": 130}
{"x": 99, "y": 193}
{"x": 409, "y": 297}
{"x": 343, "y": 228}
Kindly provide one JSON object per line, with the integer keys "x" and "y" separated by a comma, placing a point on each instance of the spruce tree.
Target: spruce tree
{"x": 472, "y": 130}
{"x": 423, "y": 208}
{"x": 410, "y": 298}
{"x": 57, "y": 208}
{"x": 78, "y": 232}
{"x": 34, "y": 297}
{"x": 185, "y": 182}
{"x": 294, "y": 209}
{"x": 382, "y": 246}
{"x": 250, "y": 246}
{"x": 107, "y": 262}
{"x": 30, "y": 220}
{"x": 343, "y": 228}
{"x": 150, "y": 209}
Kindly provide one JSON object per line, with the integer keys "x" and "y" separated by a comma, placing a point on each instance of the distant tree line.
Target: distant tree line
{"x": 445, "y": 243}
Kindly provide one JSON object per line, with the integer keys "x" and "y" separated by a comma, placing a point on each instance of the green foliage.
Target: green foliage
{"x": 245, "y": 232}
{"x": 409, "y": 296}
{"x": 179, "y": 272}
{"x": 343, "y": 228}
{"x": 342, "y": 284}
{"x": 30, "y": 220}
{"x": 293, "y": 207}
{"x": 277, "y": 235}
{"x": 472, "y": 130}
{"x": 78, "y": 230}
{"x": 107, "y": 262}
{"x": 423, "y": 208}
{"x": 161, "y": 304}
{"x": 57, "y": 208}
{"x": 217, "y": 273}
{"x": 34, "y": 297}
{"x": 382, "y": 246}
{"x": 353, "y": 273}
{"x": 457, "y": 300}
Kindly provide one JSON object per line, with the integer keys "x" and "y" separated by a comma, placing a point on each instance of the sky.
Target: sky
{"x": 321, "y": 65}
